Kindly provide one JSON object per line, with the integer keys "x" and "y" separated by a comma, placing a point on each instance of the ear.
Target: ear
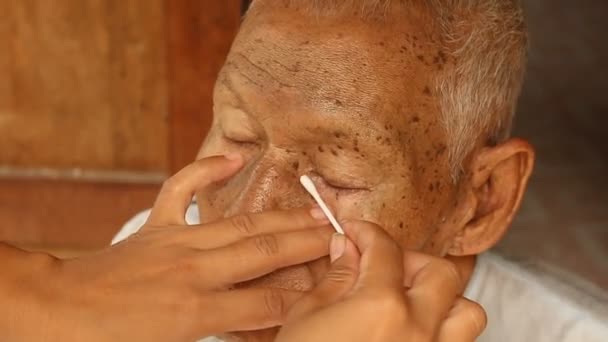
{"x": 495, "y": 187}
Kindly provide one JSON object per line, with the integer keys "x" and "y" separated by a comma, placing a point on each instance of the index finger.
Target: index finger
{"x": 177, "y": 192}
{"x": 224, "y": 232}
{"x": 381, "y": 257}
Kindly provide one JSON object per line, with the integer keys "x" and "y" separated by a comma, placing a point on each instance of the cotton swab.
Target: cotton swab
{"x": 312, "y": 190}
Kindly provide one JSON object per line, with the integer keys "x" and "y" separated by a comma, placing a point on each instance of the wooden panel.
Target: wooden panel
{"x": 83, "y": 84}
{"x": 199, "y": 37}
{"x": 68, "y": 215}
{"x": 86, "y": 86}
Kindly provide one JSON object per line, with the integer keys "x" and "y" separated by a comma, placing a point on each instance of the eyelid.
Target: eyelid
{"x": 240, "y": 135}
{"x": 242, "y": 140}
{"x": 240, "y": 143}
{"x": 236, "y": 125}
{"x": 341, "y": 185}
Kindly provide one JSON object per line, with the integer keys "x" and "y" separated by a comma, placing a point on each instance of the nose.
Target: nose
{"x": 268, "y": 184}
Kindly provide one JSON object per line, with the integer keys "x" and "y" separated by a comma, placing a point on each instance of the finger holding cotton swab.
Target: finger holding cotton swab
{"x": 308, "y": 184}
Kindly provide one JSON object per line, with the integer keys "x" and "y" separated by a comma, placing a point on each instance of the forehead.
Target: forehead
{"x": 333, "y": 61}
{"x": 336, "y": 72}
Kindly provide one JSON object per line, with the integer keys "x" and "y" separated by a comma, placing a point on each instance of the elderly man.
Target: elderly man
{"x": 400, "y": 111}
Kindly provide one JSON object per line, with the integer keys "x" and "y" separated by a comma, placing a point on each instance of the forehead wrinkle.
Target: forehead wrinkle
{"x": 321, "y": 93}
{"x": 228, "y": 84}
{"x": 264, "y": 71}
{"x": 318, "y": 97}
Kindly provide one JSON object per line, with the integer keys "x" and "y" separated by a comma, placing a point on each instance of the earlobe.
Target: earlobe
{"x": 498, "y": 179}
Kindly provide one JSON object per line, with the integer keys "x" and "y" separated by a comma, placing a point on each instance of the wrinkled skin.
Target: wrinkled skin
{"x": 352, "y": 104}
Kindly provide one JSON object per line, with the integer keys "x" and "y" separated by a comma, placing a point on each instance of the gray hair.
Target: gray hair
{"x": 487, "y": 39}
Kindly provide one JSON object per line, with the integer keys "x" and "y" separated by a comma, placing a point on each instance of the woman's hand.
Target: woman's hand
{"x": 375, "y": 292}
{"x": 171, "y": 282}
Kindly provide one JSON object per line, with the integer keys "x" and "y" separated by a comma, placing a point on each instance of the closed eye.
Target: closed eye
{"x": 341, "y": 186}
{"x": 239, "y": 141}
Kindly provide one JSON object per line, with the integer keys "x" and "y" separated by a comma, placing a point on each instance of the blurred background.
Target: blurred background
{"x": 101, "y": 100}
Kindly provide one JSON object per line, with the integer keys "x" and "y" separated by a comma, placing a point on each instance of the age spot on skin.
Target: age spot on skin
{"x": 321, "y": 149}
{"x": 296, "y": 166}
{"x": 442, "y": 56}
{"x": 427, "y": 91}
{"x": 334, "y": 152}
{"x": 441, "y": 149}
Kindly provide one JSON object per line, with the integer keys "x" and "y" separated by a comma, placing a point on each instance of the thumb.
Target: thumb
{"x": 337, "y": 283}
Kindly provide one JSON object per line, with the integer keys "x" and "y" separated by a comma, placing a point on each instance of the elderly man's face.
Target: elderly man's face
{"x": 350, "y": 104}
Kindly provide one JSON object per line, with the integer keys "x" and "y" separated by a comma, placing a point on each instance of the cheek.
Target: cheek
{"x": 404, "y": 217}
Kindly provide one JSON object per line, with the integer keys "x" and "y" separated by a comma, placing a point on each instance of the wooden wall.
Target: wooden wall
{"x": 84, "y": 85}
{"x": 100, "y": 100}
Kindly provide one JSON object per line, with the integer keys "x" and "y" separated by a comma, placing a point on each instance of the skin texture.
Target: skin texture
{"x": 351, "y": 103}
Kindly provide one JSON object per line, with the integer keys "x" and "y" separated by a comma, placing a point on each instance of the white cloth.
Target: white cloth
{"x": 523, "y": 304}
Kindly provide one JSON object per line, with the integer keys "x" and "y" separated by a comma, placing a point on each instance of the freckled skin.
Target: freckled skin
{"x": 327, "y": 100}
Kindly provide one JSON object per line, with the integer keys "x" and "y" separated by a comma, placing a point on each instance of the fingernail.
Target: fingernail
{"x": 318, "y": 214}
{"x": 233, "y": 156}
{"x": 337, "y": 247}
